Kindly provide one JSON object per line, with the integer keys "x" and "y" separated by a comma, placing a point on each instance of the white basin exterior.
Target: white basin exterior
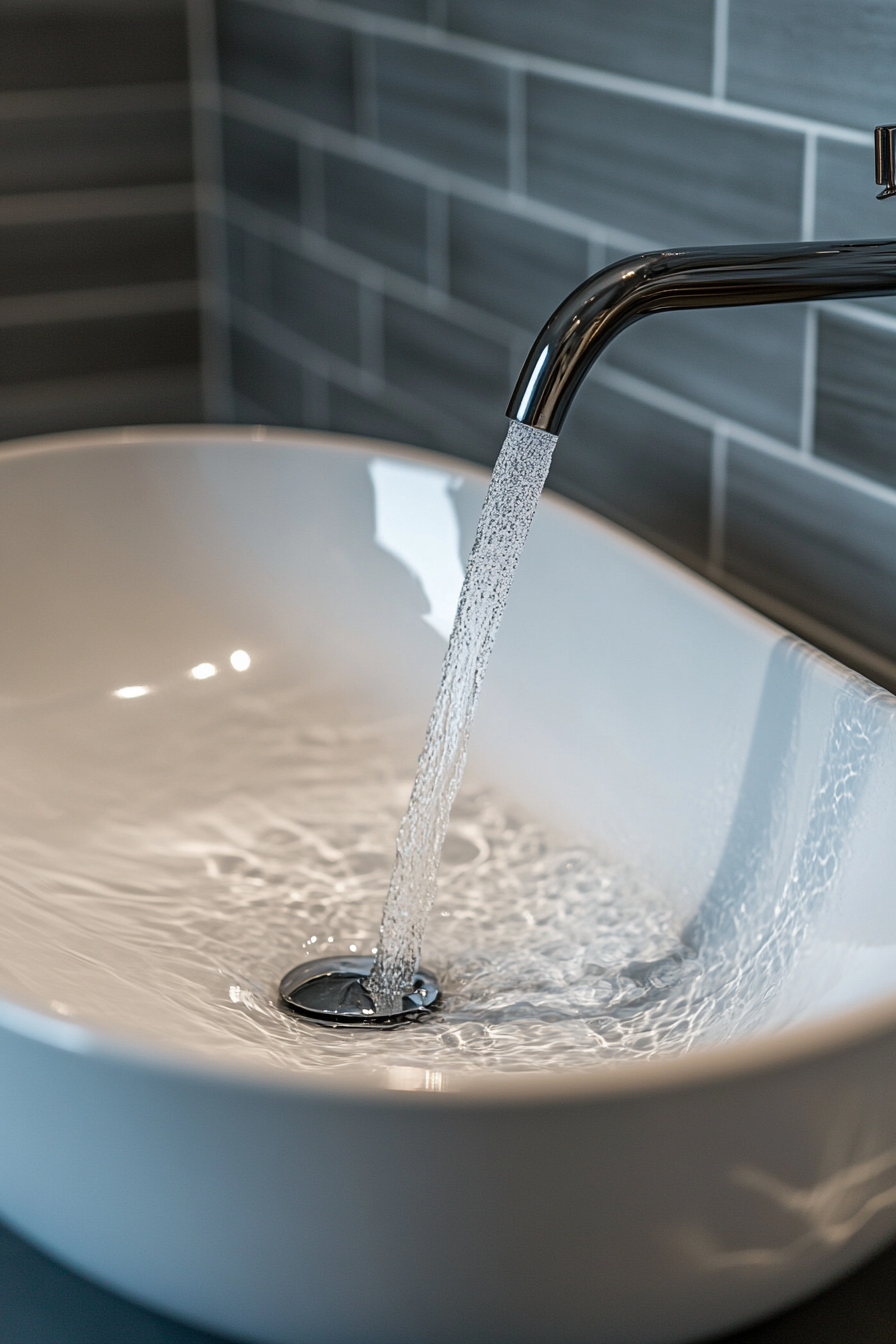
{"x": 660, "y": 1201}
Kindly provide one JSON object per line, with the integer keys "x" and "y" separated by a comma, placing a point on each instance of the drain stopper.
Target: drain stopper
{"x": 331, "y": 991}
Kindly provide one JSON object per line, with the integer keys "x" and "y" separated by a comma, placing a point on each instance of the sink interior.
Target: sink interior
{"x": 707, "y": 798}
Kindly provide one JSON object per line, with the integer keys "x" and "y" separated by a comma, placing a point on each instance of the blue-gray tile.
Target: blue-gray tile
{"x": 375, "y": 213}
{"x": 168, "y": 394}
{"x": 669, "y": 42}
{"x": 461, "y": 375}
{"x": 815, "y": 544}
{"x": 444, "y": 108}
{"x": 519, "y": 270}
{"x": 665, "y": 174}
{"x": 116, "y": 150}
{"x": 102, "y": 345}
{"x": 261, "y": 166}
{"x": 637, "y": 465}
{"x": 827, "y": 59}
{"x": 250, "y": 268}
{"x": 416, "y": 11}
{"x": 316, "y": 303}
{"x": 286, "y": 59}
{"x": 746, "y": 363}
{"x": 84, "y": 254}
{"x": 267, "y": 380}
{"x": 66, "y": 46}
{"x": 847, "y": 204}
{"x": 350, "y": 414}
{"x": 854, "y": 422}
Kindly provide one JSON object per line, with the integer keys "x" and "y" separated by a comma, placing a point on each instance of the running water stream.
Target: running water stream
{"x": 513, "y": 494}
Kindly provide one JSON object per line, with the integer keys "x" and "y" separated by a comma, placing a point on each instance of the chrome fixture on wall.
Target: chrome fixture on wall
{"x": 885, "y": 160}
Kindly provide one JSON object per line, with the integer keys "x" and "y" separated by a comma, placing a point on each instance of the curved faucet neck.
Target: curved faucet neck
{"x": 694, "y": 277}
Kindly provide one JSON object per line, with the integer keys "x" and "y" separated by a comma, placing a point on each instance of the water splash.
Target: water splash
{"x": 513, "y": 493}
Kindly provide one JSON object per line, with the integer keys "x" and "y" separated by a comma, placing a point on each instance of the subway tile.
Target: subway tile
{"x": 250, "y": 268}
{"x": 814, "y": 543}
{"x": 669, "y": 42}
{"x": 854, "y": 422}
{"x": 643, "y": 468}
{"x": 444, "y": 108}
{"x": 462, "y": 375}
{"x": 261, "y": 166}
{"x": 377, "y": 214}
{"x": 267, "y": 380}
{"x": 663, "y": 173}
{"x": 828, "y": 59}
{"x": 84, "y": 254}
{"x": 286, "y": 59}
{"x": 63, "y": 46}
{"x": 746, "y": 363}
{"x": 512, "y": 267}
{"x": 847, "y": 204}
{"x": 100, "y": 345}
{"x": 350, "y": 414}
{"x": 318, "y": 304}
{"x": 115, "y": 150}
{"x": 166, "y": 395}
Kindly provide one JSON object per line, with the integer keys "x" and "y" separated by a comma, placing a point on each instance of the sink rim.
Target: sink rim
{"x": 763, "y": 1053}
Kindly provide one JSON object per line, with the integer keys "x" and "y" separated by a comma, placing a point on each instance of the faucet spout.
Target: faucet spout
{"x": 693, "y": 277}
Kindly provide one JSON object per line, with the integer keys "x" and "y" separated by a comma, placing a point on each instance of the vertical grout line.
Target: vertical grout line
{"x": 718, "y": 486}
{"x": 370, "y": 325}
{"x": 810, "y": 378}
{"x": 312, "y": 204}
{"x": 516, "y": 131}
{"x": 211, "y": 229}
{"x": 438, "y": 261}
{"x": 720, "y": 49}
{"x": 364, "y": 61}
{"x": 810, "y": 182}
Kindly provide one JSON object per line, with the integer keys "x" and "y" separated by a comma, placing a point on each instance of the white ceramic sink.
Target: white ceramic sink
{"x": 749, "y": 777}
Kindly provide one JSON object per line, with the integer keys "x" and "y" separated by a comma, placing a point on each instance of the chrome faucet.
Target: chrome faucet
{"x": 694, "y": 277}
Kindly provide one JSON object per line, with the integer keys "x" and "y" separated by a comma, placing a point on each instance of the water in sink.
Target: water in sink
{"x": 163, "y": 859}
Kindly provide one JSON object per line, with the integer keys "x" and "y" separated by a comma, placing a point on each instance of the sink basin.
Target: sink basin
{"x": 747, "y": 777}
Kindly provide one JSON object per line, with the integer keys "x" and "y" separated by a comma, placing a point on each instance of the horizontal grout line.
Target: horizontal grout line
{"x": 371, "y": 274}
{"x": 160, "y": 296}
{"x": 269, "y": 116}
{"x": 51, "y": 207}
{"x": 98, "y": 101}
{"x": 51, "y": 393}
{"x": 288, "y": 344}
{"x": 423, "y": 35}
{"x": 638, "y": 389}
{"x": 866, "y": 317}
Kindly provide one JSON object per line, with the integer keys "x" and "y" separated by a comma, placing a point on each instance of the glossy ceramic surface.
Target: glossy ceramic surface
{"x": 655, "y": 1202}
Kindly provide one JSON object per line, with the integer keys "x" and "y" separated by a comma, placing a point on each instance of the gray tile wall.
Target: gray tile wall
{"x": 98, "y": 292}
{"x": 412, "y": 185}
